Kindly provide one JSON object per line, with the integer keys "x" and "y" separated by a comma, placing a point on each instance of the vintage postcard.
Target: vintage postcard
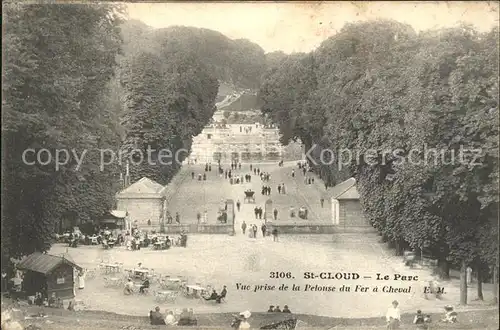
{"x": 250, "y": 165}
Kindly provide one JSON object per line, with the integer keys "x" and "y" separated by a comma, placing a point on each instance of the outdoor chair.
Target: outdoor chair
{"x": 90, "y": 274}
{"x": 159, "y": 298}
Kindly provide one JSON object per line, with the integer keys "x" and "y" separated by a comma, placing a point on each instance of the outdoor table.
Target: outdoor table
{"x": 171, "y": 283}
{"x": 142, "y": 273}
{"x": 162, "y": 296}
{"x": 159, "y": 245}
{"x": 111, "y": 268}
{"x": 198, "y": 291}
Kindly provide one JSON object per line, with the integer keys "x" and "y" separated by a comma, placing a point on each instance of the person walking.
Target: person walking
{"x": 263, "y": 228}
{"x": 254, "y": 229}
{"x": 469, "y": 275}
{"x": 279, "y": 189}
{"x": 322, "y": 201}
{"x": 238, "y": 205}
{"x": 244, "y": 227}
{"x": 275, "y": 213}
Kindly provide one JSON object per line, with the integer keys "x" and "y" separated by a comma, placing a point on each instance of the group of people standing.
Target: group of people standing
{"x": 281, "y": 189}
{"x": 258, "y": 212}
{"x": 265, "y": 177}
{"x": 235, "y": 165}
{"x": 254, "y": 229}
{"x": 266, "y": 190}
{"x": 170, "y": 218}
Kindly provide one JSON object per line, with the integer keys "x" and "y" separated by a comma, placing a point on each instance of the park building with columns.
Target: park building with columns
{"x": 237, "y": 142}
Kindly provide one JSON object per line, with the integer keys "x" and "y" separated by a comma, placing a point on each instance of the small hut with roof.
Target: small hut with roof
{"x": 346, "y": 208}
{"x": 49, "y": 274}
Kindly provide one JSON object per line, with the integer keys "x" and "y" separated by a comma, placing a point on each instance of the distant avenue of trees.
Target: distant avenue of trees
{"x": 381, "y": 86}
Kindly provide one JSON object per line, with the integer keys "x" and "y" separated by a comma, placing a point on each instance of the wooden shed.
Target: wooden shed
{"x": 48, "y": 274}
{"x": 346, "y": 208}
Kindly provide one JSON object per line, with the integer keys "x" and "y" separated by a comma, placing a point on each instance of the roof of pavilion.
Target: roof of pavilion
{"x": 144, "y": 188}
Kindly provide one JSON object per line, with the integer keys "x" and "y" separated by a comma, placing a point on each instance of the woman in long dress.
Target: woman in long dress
{"x": 81, "y": 280}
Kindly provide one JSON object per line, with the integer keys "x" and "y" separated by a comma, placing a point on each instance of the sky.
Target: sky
{"x": 302, "y": 26}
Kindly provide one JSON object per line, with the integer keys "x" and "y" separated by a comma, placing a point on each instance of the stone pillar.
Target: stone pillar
{"x": 335, "y": 212}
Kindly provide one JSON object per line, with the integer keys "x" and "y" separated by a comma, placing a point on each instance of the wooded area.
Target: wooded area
{"x": 379, "y": 86}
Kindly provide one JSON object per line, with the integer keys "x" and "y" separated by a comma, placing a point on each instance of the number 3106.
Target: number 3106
{"x": 280, "y": 275}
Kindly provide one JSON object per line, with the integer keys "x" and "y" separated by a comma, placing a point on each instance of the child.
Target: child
{"x": 450, "y": 315}
{"x": 419, "y": 320}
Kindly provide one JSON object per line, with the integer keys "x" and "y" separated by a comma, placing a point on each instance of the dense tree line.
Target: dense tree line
{"x": 238, "y": 62}
{"x": 168, "y": 99}
{"x": 56, "y": 82}
{"x": 383, "y": 94}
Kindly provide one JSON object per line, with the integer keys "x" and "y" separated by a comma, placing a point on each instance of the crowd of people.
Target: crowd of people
{"x": 186, "y": 318}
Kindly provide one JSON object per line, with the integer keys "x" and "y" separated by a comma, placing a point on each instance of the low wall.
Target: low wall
{"x": 304, "y": 228}
{"x": 215, "y": 229}
{"x": 178, "y": 228}
{"x": 199, "y": 228}
{"x": 321, "y": 229}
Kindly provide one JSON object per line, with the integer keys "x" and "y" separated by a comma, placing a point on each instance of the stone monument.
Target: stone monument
{"x": 268, "y": 210}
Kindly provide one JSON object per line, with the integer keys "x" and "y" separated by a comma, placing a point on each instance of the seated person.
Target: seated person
{"x": 419, "y": 320}
{"x": 38, "y": 299}
{"x": 271, "y": 309}
{"x": 52, "y": 300}
{"x": 156, "y": 317}
{"x": 222, "y": 295}
{"x": 286, "y": 309}
{"x": 450, "y": 315}
{"x": 59, "y": 303}
{"x": 213, "y": 296}
{"x": 129, "y": 287}
{"x": 184, "y": 318}
{"x": 170, "y": 319}
{"x": 144, "y": 285}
